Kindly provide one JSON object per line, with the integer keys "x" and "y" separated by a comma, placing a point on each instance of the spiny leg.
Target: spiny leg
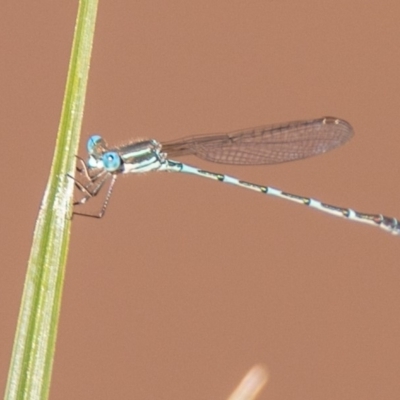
{"x": 102, "y": 211}
{"x": 83, "y": 170}
{"x": 92, "y": 188}
{"x": 87, "y": 189}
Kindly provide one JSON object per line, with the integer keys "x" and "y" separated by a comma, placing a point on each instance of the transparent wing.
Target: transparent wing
{"x": 269, "y": 144}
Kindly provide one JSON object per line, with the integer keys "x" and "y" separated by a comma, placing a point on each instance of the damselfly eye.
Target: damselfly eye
{"x": 111, "y": 161}
{"x": 93, "y": 141}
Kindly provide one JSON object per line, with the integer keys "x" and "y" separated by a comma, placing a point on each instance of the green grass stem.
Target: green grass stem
{"x": 34, "y": 345}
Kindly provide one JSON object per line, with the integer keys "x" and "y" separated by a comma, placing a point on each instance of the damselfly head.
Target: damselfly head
{"x": 94, "y": 162}
{"x": 95, "y": 145}
{"x": 111, "y": 161}
{"x": 96, "y": 148}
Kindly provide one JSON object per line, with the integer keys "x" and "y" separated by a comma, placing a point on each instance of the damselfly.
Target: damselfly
{"x": 269, "y": 144}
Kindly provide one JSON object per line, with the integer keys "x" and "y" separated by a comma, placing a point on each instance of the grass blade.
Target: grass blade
{"x": 33, "y": 352}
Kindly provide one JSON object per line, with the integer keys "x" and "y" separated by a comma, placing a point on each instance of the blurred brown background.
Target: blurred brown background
{"x": 186, "y": 283}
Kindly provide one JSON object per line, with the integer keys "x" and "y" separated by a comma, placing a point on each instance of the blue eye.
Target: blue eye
{"x": 111, "y": 161}
{"x": 93, "y": 141}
